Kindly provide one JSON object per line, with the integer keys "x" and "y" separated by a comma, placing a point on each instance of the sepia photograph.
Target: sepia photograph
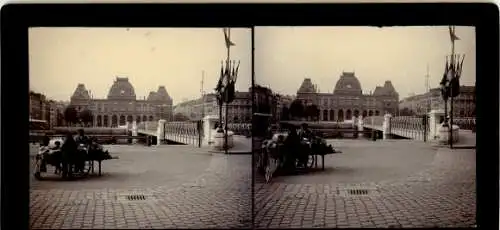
{"x": 364, "y": 127}
{"x": 140, "y": 127}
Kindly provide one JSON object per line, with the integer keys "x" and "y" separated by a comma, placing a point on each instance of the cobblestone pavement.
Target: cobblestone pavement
{"x": 407, "y": 184}
{"x": 183, "y": 187}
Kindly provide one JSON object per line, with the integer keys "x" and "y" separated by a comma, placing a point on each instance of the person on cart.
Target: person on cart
{"x": 81, "y": 139}
{"x": 305, "y": 132}
{"x": 69, "y": 152}
{"x": 44, "y": 148}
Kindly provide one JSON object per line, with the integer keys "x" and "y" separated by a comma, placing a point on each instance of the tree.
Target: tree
{"x": 296, "y": 109}
{"x": 70, "y": 115}
{"x": 86, "y": 116}
{"x": 285, "y": 113}
{"x": 59, "y": 118}
{"x": 312, "y": 112}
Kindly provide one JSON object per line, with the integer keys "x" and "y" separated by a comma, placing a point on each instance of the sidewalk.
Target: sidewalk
{"x": 242, "y": 145}
{"x": 466, "y": 140}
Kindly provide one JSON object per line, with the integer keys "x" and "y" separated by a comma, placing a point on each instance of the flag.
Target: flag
{"x": 453, "y": 36}
{"x": 230, "y": 92}
{"x": 450, "y": 72}
{"x": 218, "y": 88}
{"x": 236, "y": 71}
{"x": 227, "y": 37}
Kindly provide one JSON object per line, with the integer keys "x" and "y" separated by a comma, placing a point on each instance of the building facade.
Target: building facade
{"x": 38, "y": 106}
{"x": 464, "y": 104}
{"x": 122, "y": 105}
{"x": 348, "y": 101}
{"x": 239, "y": 111}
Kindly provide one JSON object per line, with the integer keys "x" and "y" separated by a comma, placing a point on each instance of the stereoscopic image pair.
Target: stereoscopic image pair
{"x": 263, "y": 127}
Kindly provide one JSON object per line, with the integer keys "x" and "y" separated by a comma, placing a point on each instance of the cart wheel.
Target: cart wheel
{"x": 310, "y": 161}
{"x": 268, "y": 173}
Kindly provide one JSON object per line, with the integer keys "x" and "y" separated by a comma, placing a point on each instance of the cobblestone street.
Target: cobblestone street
{"x": 406, "y": 183}
{"x": 184, "y": 187}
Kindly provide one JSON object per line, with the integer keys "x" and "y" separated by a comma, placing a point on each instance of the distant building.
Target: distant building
{"x": 240, "y": 110}
{"x": 122, "y": 105}
{"x": 348, "y": 101}
{"x": 38, "y": 106}
{"x": 463, "y": 106}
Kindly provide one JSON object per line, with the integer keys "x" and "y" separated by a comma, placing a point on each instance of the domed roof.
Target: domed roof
{"x": 81, "y": 93}
{"x": 121, "y": 89}
{"x": 348, "y": 84}
{"x": 307, "y": 86}
{"x": 162, "y": 94}
{"x": 386, "y": 90}
{"x": 152, "y": 96}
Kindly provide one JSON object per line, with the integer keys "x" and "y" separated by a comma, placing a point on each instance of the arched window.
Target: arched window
{"x": 122, "y": 120}
{"x": 377, "y": 113}
{"x": 105, "y": 120}
{"x": 340, "y": 116}
{"x": 99, "y": 121}
{"x": 332, "y": 115}
{"x": 370, "y": 113}
{"x": 365, "y": 113}
{"x": 325, "y": 115}
{"x": 348, "y": 115}
{"x": 114, "y": 121}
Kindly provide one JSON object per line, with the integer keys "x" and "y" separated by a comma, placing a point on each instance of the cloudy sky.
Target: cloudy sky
{"x": 60, "y": 58}
{"x": 284, "y": 56}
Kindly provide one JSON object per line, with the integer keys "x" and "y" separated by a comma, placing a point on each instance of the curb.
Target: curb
{"x": 243, "y": 152}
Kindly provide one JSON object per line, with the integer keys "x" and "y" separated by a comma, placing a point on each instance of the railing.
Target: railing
{"x": 467, "y": 123}
{"x": 409, "y": 126}
{"x": 183, "y": 132}
{"x": 374, "y": 121}
{"x": 244, "y": 129}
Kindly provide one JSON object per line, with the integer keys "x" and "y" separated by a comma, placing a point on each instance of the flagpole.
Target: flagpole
{"x": 227, "y": 84}
{"x": 452, "y": 29}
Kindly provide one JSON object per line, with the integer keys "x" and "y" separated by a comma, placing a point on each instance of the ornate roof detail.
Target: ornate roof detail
{"x": 162, "y": 94}
{"x": 152, "y": 96}
{"x": 348, "y": 84}
{"x": 386, "y": 90}
{"x": 81, "y": 93}
{"x": 307, "y": 86}
{"x": 122, "y": 89}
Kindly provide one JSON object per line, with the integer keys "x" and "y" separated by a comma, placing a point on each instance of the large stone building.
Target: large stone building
{"x": 463, "y": 106}
{"x": 348, "y": 101}
{"x": 240, "y": 110}
{"x": 122, "y": 105}
{"x": 44, "y": 109}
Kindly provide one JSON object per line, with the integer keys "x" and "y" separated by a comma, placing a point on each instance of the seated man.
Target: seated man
{"x": 81, "y": 138}
{"x": 56, "y": 156}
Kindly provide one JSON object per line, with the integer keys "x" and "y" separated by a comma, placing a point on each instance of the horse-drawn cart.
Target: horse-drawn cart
{"x": 80, "y": 163}
{"x": 287, "y": 155}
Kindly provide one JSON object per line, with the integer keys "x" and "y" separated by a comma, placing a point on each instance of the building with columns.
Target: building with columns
{"x": 122, "y": 105}
{"x": 348, "y": 100}
{"x": 239, "y": 111}
{"x": 464, "y": 104}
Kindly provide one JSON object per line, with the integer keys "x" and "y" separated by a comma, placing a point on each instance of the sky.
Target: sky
{"x": 284, "y": 56}
{"x": 60, "y": 58}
